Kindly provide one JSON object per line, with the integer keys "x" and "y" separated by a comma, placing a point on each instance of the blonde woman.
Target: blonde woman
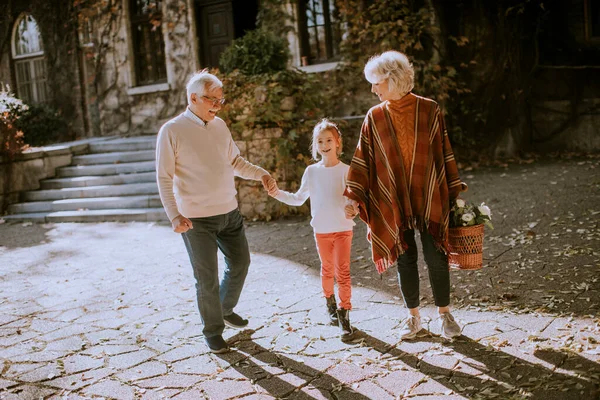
{"x": 403, "y": 177}
{"x": 325, "y": 182}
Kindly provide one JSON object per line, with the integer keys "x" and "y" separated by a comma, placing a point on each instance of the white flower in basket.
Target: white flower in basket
{"x": 464, "y": 213}
{"x": 465, "y": 237}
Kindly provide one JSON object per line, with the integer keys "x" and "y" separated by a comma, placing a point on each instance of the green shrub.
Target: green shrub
{"x": 41, "y": 125}
{"x": 257, "y": 52}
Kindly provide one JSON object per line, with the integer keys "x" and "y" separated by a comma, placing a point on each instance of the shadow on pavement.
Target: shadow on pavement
{"x": 541, "y": 382}
{"x": 510, "y": 375}
{"x": 22, "y": 235}
{"x": 303, "y": 375}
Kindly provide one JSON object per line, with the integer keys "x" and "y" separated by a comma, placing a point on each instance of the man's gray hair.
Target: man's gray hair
{"x": 395, "y": 67}
{"x": 202, "y": 82}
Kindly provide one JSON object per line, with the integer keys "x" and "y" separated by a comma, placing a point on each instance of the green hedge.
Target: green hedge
{"x": 257, "y": 52}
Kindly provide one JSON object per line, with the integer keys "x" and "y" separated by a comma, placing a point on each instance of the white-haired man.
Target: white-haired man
{"x": 196, "y": 161}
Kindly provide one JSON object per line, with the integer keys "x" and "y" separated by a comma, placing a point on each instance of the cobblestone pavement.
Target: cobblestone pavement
{"x": 108, "y": 310}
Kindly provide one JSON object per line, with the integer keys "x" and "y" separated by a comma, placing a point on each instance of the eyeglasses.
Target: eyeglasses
{"x": 214, "y": 101}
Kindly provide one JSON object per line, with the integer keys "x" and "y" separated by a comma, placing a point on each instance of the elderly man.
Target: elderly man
{"x": 196, "y": 161}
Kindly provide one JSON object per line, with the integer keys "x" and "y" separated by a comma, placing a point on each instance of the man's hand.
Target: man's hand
{"x": 273, "y": 188}
{"x": 350, "y": 212}
{"x": 181, "y": 224}
{"x": 351, "y": 209}
{"x": 270, "y": 185}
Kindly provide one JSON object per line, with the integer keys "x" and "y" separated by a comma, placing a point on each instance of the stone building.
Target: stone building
{"x": 122, "y": 67}
{"x": 119, "y": 67}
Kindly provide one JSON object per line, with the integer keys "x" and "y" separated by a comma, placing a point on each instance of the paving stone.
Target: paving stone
{"x": 437, "y": 364}
{"x": 146, "y": 370}
{"x": 103, "y": 335}
{"x": 170, "y": 381}
{"x": 182, "y": 352}
{"x": 429, "y": 387}
{"x": 226, "y": 389}
{"x": 6, "y": 383}
{"x": 158, "y": 394}
{"x": 78, "y": 363}
{"x": 7, "y": 318}
{"x": 349, "y": 373}
{"x": 67, "y": 332}
{"x": 39, "y": 356}
{"x": 65, "y": 395}
{"x": 70, "y": 315}
{"x": 27, "y": 392}
{"x": 201, "y": 365}
{"x": 193, "y": 394}
{"x": 399, "y": 382}
{"x": 79, "y": 380}
{"x": 112, "y": 389}
{"x": 259, "y": 396}
{"x": 11, "y": 353}
{"x": 371, "y": 391}
{"x": 70, "y": 344}
{"x": 14, "y": 337}
{"x": 284, "y": 384}
{"x": 41, "y": 374}
{"x": 44, "y": 326}
{"x": 127, "y": 360}
{"x": 333, "y": 345}
{"x": 168, "y": 328}
{"x": 310, "y": 392}
{"x": 110, "y": 349}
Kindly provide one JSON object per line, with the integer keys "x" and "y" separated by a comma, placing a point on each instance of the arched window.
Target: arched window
{"x": 148, "y": 43}
{"x": 29, "y": 60}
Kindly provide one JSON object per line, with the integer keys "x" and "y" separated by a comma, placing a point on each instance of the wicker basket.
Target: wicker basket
{"x": 466, "y": 247}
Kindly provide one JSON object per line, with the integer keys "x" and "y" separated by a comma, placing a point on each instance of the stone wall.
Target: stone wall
{"x": 116, "y": 105}
{"x": 259, "y": 147}
{"x": 578, "y": 133}
{"x": 28, "y": 169}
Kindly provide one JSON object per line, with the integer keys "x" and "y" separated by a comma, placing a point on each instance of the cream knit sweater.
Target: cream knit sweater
{"x": 195, "y": 167}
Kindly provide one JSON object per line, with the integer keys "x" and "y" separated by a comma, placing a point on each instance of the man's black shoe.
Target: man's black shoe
{"x": 235, "y": 321}
{"x": 217, "y": 344}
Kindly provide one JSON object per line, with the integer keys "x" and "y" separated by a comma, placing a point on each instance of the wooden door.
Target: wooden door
{"x": 215, "y": 28}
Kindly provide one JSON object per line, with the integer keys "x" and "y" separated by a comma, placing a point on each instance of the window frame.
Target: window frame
{"x": 151, "y": 63}
{"x": 36, "y": 85}
{"x": 304, "y": 34}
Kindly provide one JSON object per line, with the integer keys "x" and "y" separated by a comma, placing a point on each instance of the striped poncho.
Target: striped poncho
{"x": 393, "y": 199}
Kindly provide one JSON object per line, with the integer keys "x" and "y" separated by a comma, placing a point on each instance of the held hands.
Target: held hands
{"x": 351, "y": 209}
{"x": 270, "y": 185}
{"x": 181, "y": 224}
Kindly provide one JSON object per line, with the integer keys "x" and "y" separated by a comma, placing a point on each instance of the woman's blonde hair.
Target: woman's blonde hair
{"x": 393, "y": 66}
{"x": 325, "y": 125}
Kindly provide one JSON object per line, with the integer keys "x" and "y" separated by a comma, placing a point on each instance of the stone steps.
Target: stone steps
{"x": 116, "y": 157}
{"x": 105, "y": 215}
{"x": 125, "y": 144}
{"x": 84, "y": 181}
{"x": 114, "y": 181}
{"x": 108, "y": 169}
{"x": 131, "y": 189}
{"x": 94, "y": 203}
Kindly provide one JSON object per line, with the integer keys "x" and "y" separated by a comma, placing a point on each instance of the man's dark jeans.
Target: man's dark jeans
{"x": 437, "y": 266}
{"x": 226, "y": 233}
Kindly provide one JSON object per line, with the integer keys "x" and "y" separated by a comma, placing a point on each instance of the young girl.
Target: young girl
{"x": 324, "y": 182}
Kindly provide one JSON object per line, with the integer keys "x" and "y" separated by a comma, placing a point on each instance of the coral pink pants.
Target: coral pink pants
{"x": 334, "y": 252}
